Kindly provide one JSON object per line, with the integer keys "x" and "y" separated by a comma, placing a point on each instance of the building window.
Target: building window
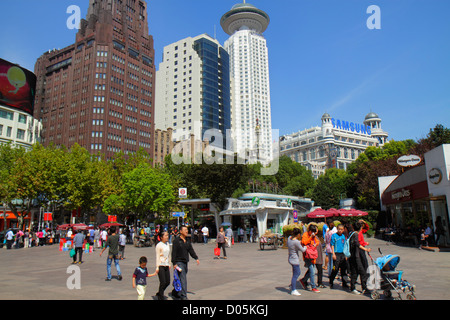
{"x": 22, "y": 118}
{"x": 20, "y": 134}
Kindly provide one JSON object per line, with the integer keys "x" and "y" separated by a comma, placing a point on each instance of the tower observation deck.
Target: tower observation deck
{"x": 244, "y": 16}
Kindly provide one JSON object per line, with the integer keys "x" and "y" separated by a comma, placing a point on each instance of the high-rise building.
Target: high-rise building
{"x": 249, "y": 65}
{"x": 193, "y": 89}
{"x": 99, "y": 91}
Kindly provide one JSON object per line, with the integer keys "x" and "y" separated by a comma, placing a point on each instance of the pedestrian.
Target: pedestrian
{"x": 113, "y": 243}
{"x": 229, "y": 235}
{"x": 294, "y": 248}
{"x": 440, "y": 231}
{"x": 97, "y": 238}
{"x": 241, "y": 234}
{"x": 338, "y": 257}
{"x": 319, "y": 264}
{"x": 181, "y": 250}
{"x": 122, "y": 243}
{"x": 26, "y": 238}
{"x": 9, "y": 239}
{"x": 205, "y": 232}
{"x": 309, "y": 239}
{"x": 330, "y": 230}
{"x": 356, "y": 265}
{"x": 103, "y": 237}
{"x": 221, "y": 240}
{"x": 364, "y": 228}
{"x": 140, "y": 276}
{"x": 163, "y": 264}
{"x": 77, "y": 243}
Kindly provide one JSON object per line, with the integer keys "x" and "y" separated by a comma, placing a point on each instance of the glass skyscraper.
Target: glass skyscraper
{"x": 193, "y": 89}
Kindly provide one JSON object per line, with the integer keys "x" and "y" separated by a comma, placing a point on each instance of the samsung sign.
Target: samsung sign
{"x": 351, "y": 126}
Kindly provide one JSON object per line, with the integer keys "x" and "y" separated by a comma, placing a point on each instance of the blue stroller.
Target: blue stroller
{"x": 391, "y": 279}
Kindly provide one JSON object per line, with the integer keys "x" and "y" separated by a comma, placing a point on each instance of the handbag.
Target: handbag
{"x": 72, "y": 252}
{"x": 311, "y": 252}
{"x": 176, "y": 281}
{"x": 217, "y": 251}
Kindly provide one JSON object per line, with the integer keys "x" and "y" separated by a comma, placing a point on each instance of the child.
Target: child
{"x": 423, "y": 239}
{"x": 140, "y": 276}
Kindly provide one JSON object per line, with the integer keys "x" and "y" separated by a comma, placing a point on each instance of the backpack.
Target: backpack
{"x": 347, "y": 247}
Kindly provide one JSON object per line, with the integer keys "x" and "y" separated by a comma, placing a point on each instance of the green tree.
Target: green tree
{"x": 146, "y": 190}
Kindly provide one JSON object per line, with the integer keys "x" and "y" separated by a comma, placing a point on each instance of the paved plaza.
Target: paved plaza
{"x": 248, "y": 274}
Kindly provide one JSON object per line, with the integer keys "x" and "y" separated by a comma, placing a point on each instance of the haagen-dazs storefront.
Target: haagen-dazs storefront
{"x": 420, "y": 196}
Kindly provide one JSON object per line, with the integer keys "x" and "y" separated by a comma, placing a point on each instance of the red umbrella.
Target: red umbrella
{"x": 80, "y": 226}
{"x": 320, "y": 213}
{"x": 109, "y": 225}
{"x": 334, "y": 211}
{"x": 352, "y": 213}
{"x": 63, "y": 227}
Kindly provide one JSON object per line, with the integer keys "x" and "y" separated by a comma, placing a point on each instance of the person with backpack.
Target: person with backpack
{"x": 309, "y": 256}
{"x": 355, "y": 261}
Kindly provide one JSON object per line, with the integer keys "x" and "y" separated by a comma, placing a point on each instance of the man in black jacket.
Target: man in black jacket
{"x": 181, "y": 249}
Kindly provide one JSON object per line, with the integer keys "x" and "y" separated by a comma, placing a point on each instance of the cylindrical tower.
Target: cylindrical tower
{"x": 243, "y": 16}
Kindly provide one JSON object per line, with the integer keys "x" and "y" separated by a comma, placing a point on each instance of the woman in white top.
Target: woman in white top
{"x": 163, "y": 264}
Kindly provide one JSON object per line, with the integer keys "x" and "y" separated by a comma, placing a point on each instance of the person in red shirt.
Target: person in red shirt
{"x": 363, "y": 245}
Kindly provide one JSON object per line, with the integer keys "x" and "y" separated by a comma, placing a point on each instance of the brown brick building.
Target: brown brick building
{"x": 99, "y": 92}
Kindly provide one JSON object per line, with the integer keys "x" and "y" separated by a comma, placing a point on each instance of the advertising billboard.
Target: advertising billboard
{"x": 17, "y": 87}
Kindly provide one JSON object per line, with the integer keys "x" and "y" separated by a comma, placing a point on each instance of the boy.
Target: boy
{"x": 337, "y": 250}
{"x": 140, "y": 276}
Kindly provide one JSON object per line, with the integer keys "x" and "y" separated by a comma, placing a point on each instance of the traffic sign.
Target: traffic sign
{"x": 182, "y": 193}
{"x": 178, "y": 214}
{"x": 295, "y": 214}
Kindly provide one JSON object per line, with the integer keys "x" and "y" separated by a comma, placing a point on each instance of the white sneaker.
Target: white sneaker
{"x": 356, "y": 292}
{"x": 295, "y": 293}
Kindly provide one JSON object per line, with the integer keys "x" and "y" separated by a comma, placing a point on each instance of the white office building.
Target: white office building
{"x": 335, "y": 144}
{"x": 249, "y": 66}
{"x": 18, "y": 127}
{"x": 193, "y": 89}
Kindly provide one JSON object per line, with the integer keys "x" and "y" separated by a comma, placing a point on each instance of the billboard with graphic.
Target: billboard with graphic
{"x": 17, "y": 87}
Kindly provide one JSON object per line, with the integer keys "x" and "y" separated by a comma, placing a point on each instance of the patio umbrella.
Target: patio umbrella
{"x": 109, "y": 225}
{"x": 320, "y": 213}
{"x": 63, "y": 227}
{"x": 334, "y": 211}
{"x": 352, "y": 213}
{"x": 80, "y": 226}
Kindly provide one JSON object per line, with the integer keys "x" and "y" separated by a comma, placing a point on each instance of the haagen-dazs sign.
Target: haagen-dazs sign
{"x": 435, "y": 176}
{"x": 409, "y": 160}
{"x": 404, "y": 193}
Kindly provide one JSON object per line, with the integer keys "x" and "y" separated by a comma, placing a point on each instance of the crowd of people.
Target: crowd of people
{"x": 306, "y": 245}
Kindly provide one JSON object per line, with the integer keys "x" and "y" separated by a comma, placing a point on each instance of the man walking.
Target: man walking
{"x": 113, "y": 244}
{"x": 181, "y": 249}
{"x": 78, "y": 241}
{"x": 205, "y": 232}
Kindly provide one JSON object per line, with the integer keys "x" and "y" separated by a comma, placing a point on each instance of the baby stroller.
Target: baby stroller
{"x": 391, "y": 279}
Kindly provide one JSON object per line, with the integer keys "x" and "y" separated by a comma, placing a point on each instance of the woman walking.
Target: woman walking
{"x": 310, "y": 242}
{"x": 294, "y": 249}
{"x": 221, "y": 240}
{"x": 162, "y": 264}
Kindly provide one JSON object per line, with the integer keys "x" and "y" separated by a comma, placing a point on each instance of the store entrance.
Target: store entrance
{"x": 441, "y": 222}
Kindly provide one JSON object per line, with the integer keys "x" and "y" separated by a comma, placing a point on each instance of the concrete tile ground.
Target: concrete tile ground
{"x": 248, "y": 274}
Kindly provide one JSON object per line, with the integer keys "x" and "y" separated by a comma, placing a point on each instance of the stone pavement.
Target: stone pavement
{"x": 248, "y": 274}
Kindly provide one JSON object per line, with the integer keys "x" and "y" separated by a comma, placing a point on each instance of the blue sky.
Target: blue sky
{"x": 323, "y": 58}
